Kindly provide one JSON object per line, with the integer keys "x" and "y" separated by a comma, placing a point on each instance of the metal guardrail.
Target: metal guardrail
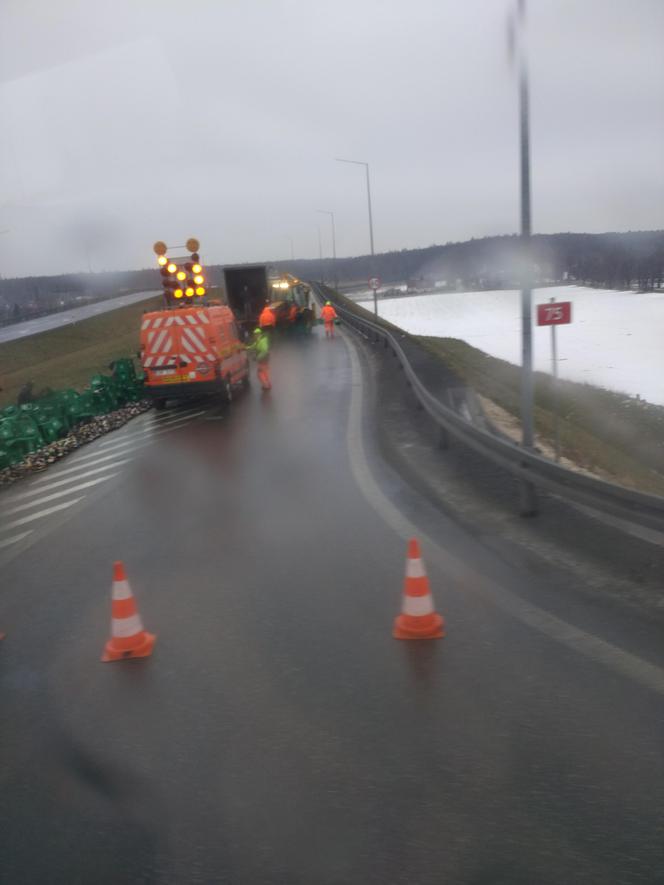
{"x": 530, "y": 468}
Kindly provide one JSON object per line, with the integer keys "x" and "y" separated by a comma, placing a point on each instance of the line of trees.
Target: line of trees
{"x": 612, "y": 260}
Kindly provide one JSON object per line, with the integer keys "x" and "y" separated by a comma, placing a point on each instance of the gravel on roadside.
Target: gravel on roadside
{"x": 78, "y": 436}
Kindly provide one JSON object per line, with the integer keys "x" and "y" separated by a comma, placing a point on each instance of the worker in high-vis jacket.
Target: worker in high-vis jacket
{"x": 329, "y": 315}
{"x": 267, "y": 319}
{"x": 260, "y": 347}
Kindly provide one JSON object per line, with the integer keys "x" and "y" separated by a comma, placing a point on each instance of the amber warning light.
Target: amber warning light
{"x": 182, "y": 278}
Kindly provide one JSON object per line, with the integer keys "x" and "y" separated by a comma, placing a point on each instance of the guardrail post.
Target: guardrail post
{"x": 527, "y": 498}
{"x": 643, "y": 509}
{"x": 443, "y": 438}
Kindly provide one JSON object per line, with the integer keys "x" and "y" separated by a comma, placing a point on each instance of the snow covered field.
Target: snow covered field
{"x": 615, "y": 339}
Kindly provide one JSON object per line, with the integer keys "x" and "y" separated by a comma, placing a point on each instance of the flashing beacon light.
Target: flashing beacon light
{"x": 180, "y": 279}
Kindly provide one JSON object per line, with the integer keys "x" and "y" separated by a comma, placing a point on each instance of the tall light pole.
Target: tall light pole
{"x": 334, "y": 244}
{"x": 371, "y": 236}
{"x": 528, "y": 502}
{"x": 320, "y": 255}
{"x": 5, "y": 231}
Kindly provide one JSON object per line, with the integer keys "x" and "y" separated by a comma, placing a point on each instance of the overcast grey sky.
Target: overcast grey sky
{"x": 134, "y": 120}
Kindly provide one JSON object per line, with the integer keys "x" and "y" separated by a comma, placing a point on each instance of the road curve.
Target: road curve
{"x": 56, "y": 320}
{"x": 279, "y": 734}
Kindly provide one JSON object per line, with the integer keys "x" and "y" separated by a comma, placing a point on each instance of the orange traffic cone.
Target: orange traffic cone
{"x": 128, "y": 638}
{"x": 418, "y": 619}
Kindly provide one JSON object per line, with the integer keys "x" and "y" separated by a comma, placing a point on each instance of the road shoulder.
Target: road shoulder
{"x": 576, "y": 552}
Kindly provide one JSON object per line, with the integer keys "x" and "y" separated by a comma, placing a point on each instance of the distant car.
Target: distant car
{"x": 192, "y": 351}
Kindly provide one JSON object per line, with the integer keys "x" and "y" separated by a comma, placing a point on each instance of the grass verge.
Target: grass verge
{"x": 601, "y": 431}
{"x": 611, "y": 434}
{"x": 70, "y": 355}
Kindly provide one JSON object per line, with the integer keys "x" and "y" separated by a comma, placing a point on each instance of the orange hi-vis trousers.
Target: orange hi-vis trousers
{"x": 263, "y": 373}
{"x": 329, "y": 328}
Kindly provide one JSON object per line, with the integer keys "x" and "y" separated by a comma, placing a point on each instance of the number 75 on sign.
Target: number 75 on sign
{"x": 555, "y": 313}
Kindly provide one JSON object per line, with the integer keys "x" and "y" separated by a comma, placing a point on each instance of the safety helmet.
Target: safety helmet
{"x": 258, "y": 331}
{"x": 328, "y": 304}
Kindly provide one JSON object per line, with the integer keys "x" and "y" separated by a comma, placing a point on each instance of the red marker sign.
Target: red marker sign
{"x": 374, "y": 283}
{"x": 555, "y": 313}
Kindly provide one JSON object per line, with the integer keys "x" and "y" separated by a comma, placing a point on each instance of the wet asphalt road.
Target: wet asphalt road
{"x": 279, "y": 734}
{"x": 56, "y": 320}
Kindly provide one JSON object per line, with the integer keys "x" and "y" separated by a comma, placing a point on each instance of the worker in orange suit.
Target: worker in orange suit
{"x": 260, "y": 347}
{"x": 267, "y": 320}
{"x": 292, "y": 313}
{"x": 329, "y": 315}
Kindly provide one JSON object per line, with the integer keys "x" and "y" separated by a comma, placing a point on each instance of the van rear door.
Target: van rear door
{"x": 193, "y": 336}
{"x": 178, "y": 343}
{"x": 159, "y": 354}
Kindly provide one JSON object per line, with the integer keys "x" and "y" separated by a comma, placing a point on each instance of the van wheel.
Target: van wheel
{"x": 159, "y": 404}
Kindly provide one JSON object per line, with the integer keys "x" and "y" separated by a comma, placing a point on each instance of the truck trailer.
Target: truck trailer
{"x": 247, "y": 289}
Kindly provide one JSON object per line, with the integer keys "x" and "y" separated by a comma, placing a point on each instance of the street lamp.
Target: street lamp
{"x": 320, "y": 255}
{"x": 528, "y": 497}
{"x": 5, "y": 231}
{"x": 371, "y": 236}
{"x": 334, "y": 244}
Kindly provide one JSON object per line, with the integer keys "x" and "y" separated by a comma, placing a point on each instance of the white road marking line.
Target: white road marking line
{"x": 165, "y": 416}
{"x": 602, "y": 652}
{"x": 75, "y": 468}
{"x": 134, "y": 442}
{"x": 116, "y": 451}
{"x": 47, "y": 512}
{"x": 174, "y": 419}
{"x": 136, "y": 438}
{"x": 163, "y": 428}
{"x": 141, "y": 432}
{"x": 63, "y": 482}
{"x": 115, "y": 454}
{"x": 123, "y": 440}
{"x": 15, "y": 539}
{"x": 61, "y": 494}
{"x": 652, "y": 536}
